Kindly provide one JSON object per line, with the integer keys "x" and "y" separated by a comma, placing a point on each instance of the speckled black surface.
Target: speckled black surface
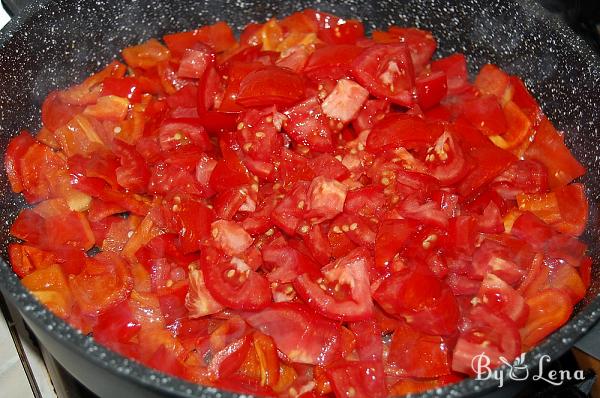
{"x": 56, "y": 43}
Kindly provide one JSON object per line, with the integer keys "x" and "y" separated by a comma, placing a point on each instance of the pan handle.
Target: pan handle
{"x": 14, "y": 7}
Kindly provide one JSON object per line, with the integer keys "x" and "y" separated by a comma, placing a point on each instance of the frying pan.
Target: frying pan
{"x": 54, "y": 44}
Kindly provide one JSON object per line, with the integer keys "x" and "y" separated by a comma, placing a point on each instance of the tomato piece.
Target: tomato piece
{"x": 391, "y": 239}
{"x": 426, "y": 302}
{"x": 488, "y": 160}
{"x": 402, "y": 130}
{"x": 289, "y": 213}
{"x": 431, "y": 89}
{"x": 455, "y": 69}
{"x": 421, "y": 43}
{"x": 446, "y": 161}
{"x": 326, "y": 198}
{"x": 195, "y": 62}
{"x": 415, "y": 354}
{"x": 51, "y": 288}
{"x": 369, "y": 346}
{"x": 270, "y": 86}
{"x": 573, "y": 207}
{"x": 490, "y": 334}
{"x": 548, "y": 310}
{"x": 56, "y": 112}
{"x": 228, "y": 172}
{"x": 349, "y": 272}
{"x": 146, "y": 55}
{"x": 287, "y": 263}
{"x": 328, "y": 166}
{"x": 523, "y": 99}
{"x": 332, "y": 62}
{"x": 116, "y": 326}
{"x": 235, "y": 285}
{"x": 372, "y": 112}
{"x": 386, "y": 71}
{"x": 335, "y": 30}
{"x": 229, "y": 359}
{"x": 104, "y": 282}
{"x": 525, "y": 176}
{"x": 502, "y": 298}
{"x": 308, "y": 125}
{"x": 300, "y": 334}
{"x": 360, "y": 379}
{"x": 549, "y": 149}
{"x": 199, "y": 301}
{"x": 219, "y": 36}
{"x": 16, "y": 150}
{"x": 485, "y": 113}
{"x": 493, "y": 81}
{"x": 125, "y": 87}
{"x": 344, "y": 102}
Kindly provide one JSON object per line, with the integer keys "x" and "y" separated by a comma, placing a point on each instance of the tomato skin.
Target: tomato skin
{"x": 245, "y": 289}
{"x": 270, "y": 85}
{"x": 396, "y": 130}
{"x": 116, "y": 325}
{"x": 353, "y": 267}
{"x": 17, "y": 147}
{"x": 332, "y": 62}
{"x": 486, "y": 114}
{"x": 335, "y": 30}
{"x": 310, "y": 331}
{"x": 455, "y": 68}
{"x": 219, "y": 36}
{"x": 386, "y": 71}
{"x": 548, "y": 310}
{"x": 493, "y": 81}
{"x": 104, "y": 282}
{"x": 56, "y": 113}
{"x": 411, "y": 294}
{"x": 489, "y": 333}
{"x": 416, "y": 354}
{"x": 431, "y": 89}
{"x": 548, "y": 148}
{"x": 307, "y": 125}
{"x": 365, "y": 379}
{"x": 488, "y": 160}
{"x": 391, "y": 238}
{"x": 421, "y": 43}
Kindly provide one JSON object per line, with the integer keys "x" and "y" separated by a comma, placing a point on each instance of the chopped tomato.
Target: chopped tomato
{"x": 304, "y": 211}
{"x": 416, "y": 354}
{"x": 386, "y": 70}
{"x": 332, "y": 62}
{"x": 358, "y": 379}
{"x": 300, "y": 335}
{"x": 489, "y": 333}
{"x": 270, "y": 85}
{"x": 455, "y": 69}
{"x": 146, "y": 55}
{"x": 548, "y": 310}
{"x": 344, "y": 102}
{"x": 104, "y": 282}
{"x": 308, "y": 125}
{"x": 426, "y": 302}
{"x": 549, "y": 148}
{"x": 347, "y": 276}
{"x": 234, "y": 284}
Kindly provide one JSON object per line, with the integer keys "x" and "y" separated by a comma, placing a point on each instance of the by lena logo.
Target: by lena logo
{"x": 518, "y": 371}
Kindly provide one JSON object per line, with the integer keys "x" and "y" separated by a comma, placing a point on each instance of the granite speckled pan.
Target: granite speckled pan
{"x": 54, "y": 44}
